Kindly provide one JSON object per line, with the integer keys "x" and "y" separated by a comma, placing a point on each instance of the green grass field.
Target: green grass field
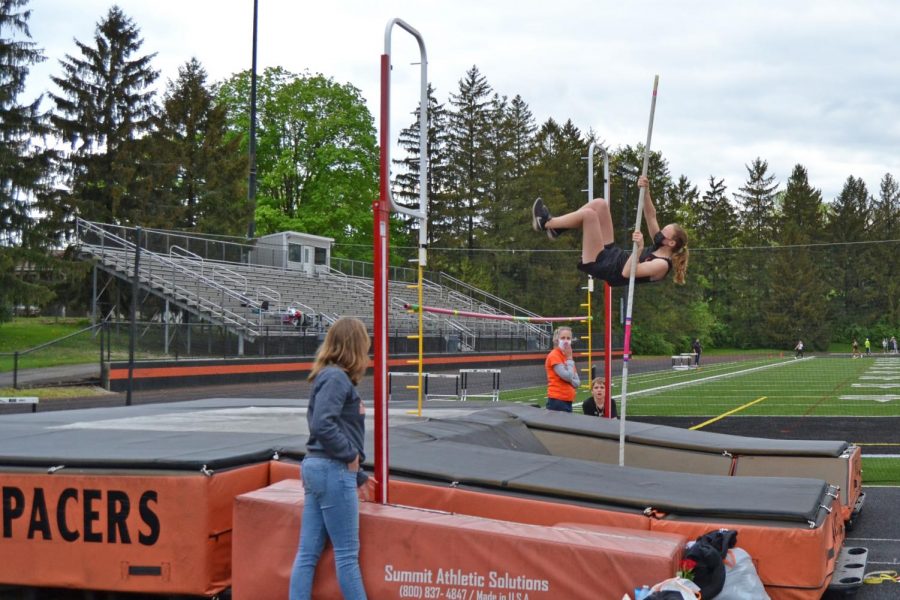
{"x": 775, "y": 387}
{"x": 764, "y": 386}
{"x": 22, "y": 334}
{"x": 881, "y": 471}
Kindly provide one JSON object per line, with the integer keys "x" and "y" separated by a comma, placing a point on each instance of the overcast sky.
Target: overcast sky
{"x": 815, "y": 82}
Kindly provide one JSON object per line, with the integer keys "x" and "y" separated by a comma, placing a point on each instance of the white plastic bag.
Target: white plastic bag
{"x": 741, "y": 580}
{"x": 687, "y": 588}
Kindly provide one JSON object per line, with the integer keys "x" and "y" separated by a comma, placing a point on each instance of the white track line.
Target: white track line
{"x": 705, "y": 379}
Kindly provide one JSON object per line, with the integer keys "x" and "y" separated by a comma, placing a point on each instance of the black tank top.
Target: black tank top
{"x": 612, "y": 259}
{"x": 648, "y": 255}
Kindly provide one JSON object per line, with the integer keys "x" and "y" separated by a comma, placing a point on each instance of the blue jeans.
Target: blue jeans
{"x": 330, "y": 511}
{"x": 554, "y": 404}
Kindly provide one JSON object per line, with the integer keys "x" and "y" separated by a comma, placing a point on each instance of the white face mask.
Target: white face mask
{"x": 563, "y": 344}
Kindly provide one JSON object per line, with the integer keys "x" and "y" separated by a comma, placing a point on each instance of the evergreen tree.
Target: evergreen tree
{"x": 796, "y": 306}
{"x": 715, "y": 231}
{"x": 850, "y": 270}
{"x": 717, "y": 219}
{"x": 560, "y": 178}
{"x": 23, "y": 167}
{"x": 406, "y": 182}
{"x": 683, "y": 199}
{"x": 625, "y": 191}
{"x": 105, "y": 103}
{"x": 206, "y": 171}
{"x": 515, "y": 164}
{"x": 886, "y": 226}
{"x": 886, "y": 210}
{"x": 802, "y": 211}
{"x": 520, "y": 125}
{"x": 756, "y": 199}
{"x": 515, "y": 194}
{"x": 470, "y": 121}
{"x": 559, "y": 170}
{"x": 756, "y": 202}
{"x": 497, "y": 197}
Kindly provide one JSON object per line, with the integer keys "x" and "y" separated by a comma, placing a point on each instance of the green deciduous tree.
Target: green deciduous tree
{"x": 317, "y": 159}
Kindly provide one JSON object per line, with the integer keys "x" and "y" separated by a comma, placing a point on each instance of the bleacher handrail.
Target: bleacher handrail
{"x": 202, "y": 303}
{"x": 473, "y": 292}
{"x": 232, "y": 277}
{"x": 179, "y": 252}
{"x": 185, "y": 297}
{"x": 266, "y": 293}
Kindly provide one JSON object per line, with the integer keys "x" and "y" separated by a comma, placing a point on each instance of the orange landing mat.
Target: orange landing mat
{"x": 416, "y": 553}
{"x": 164, "y": 532}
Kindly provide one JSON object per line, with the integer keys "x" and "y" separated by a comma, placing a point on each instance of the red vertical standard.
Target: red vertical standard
{"x": 381, "y": 221}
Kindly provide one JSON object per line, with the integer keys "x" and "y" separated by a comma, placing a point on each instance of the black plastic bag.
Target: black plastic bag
{"x": 708, "y": 552}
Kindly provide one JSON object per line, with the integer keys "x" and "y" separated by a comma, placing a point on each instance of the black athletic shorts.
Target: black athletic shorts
{"x": 607, "y": 266}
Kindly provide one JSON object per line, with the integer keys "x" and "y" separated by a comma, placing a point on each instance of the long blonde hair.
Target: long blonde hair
{"x": 680, "y": 254}
{"x": 346, "y": 346}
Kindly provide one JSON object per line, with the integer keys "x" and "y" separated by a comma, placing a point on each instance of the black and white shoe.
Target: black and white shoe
{"x": 540, "y": 215}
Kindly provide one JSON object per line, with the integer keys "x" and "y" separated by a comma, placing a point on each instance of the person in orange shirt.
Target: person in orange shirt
{"x": 562, "y": 376}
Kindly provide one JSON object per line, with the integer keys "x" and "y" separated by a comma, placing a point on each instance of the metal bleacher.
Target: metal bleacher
{"x": 213, "y": 280}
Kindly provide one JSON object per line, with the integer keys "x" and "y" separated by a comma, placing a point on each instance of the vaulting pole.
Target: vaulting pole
{"x": 626, "y": 354}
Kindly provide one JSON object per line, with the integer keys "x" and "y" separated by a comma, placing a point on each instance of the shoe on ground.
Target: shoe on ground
{"x": 540, "y": 215}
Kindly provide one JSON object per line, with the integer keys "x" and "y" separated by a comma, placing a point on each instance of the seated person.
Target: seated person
{"x": 594, "y": 405}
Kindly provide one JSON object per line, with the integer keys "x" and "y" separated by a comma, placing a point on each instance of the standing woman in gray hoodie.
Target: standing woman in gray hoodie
{"x": 331, "y": 468}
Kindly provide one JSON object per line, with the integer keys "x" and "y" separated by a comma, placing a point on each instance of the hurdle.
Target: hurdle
{"x": 425, "y": 380}
{"x": 464, "y": 384}
{"x": 683, "y": 361}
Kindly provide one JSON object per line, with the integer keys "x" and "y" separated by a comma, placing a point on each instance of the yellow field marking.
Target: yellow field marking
{"x": 730, "y": 412}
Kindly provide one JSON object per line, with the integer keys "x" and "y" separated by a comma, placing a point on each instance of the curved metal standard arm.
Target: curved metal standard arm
{"x": 590, "y": 158}
{"x": 422, "y": 212}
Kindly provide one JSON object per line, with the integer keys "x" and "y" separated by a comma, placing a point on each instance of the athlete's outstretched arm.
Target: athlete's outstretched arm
{"x": 649, "y": 208}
